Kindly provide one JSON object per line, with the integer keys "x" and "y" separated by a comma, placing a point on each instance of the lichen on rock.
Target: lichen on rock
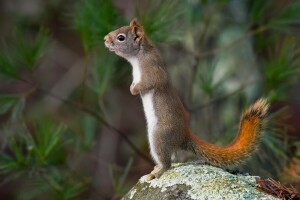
{"x": 197, "y": 181}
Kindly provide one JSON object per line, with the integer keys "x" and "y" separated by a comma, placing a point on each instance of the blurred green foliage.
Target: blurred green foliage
{"x": 93, "y": 20}
{"x": 46, "y": 153}
{"x": 159, "y": 19}
{"x": 281, "y": 72}
{"x": 24, "y": 54}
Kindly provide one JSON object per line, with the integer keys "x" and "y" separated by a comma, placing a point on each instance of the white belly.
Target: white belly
{"x": 136, "y": 71}
{"x": 151, "y": 121}
{"x": 148, "y": 104}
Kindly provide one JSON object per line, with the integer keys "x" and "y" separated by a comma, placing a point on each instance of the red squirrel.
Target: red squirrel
{"x": 167, "y": 119}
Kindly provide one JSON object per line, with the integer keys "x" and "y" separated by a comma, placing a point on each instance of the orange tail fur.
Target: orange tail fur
{"x": 243, "y": 145}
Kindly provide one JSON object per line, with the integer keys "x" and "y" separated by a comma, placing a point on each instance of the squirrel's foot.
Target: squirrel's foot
{"x": 156, "y": 169}
{"x": 156, "y": 173}
{"x": 150, "y": 177}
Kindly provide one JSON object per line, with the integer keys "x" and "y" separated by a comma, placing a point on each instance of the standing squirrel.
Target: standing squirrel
{"x": 167, "y": 119}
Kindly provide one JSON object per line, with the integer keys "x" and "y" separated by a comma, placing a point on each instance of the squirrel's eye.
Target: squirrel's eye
{"x": 121, "y": 37}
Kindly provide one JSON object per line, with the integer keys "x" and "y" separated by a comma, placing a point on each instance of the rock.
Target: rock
{"x": 197, "y": 181}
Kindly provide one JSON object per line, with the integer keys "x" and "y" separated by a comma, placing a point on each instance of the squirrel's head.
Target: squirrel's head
{"x": 127, "y": 40}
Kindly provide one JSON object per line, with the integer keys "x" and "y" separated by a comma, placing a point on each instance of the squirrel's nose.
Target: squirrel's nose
{"x": 105, "y": 38}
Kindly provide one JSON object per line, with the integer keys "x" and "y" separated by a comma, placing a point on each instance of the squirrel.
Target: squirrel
{"x": 167, "y": 119}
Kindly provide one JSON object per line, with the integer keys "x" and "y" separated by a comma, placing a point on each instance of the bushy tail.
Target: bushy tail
{"x": 244, "y": 144}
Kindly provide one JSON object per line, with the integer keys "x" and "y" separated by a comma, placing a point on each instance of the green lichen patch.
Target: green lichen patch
{"x": 197, "y": 181}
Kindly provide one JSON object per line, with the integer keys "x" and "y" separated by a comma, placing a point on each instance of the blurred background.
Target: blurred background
{"x": 69, "y": 128}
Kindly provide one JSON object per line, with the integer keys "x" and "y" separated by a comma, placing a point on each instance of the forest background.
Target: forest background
{"x": 69, "y": 128}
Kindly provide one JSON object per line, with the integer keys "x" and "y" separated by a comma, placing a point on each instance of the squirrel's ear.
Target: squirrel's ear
{"x": 137, "y": 29}
{"x": 134, "y": 22}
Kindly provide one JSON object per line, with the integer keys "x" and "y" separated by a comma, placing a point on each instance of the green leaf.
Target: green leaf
{"x": 288, "y": 16}
{"x": 17, "y": 111}
{"x": 157, "y": 20}
{"x": 7, "y": 163}
{"x": 64, "y": 186}
{"x": 258, "y": 11}
{"x": 7, "y": 102}
{"x": 14, "y": 105}
{"x": 93, "y": 19}
{"x": 47, "y": 141}
{"x": 53, "y": 182}
{"x": 281, "y": 71}
{"x": 23, "y": 54}
{"x": 8, "y": 66}
{"x": 73, "y": 190}
{"x": 206, "y": 77}
{"x": 33, "y": 151}
{"x": 16, "y": 163}
{"x": 31, "y": 51}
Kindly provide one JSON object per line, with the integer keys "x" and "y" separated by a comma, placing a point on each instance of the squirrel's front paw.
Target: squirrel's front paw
{"x": 133, "y": 89}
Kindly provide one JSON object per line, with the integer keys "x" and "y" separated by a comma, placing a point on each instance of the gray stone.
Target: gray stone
{"x": 197, "y": 181}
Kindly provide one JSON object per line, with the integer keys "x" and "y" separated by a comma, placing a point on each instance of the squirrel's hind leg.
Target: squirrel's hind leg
{"x": 163, "y": 153}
